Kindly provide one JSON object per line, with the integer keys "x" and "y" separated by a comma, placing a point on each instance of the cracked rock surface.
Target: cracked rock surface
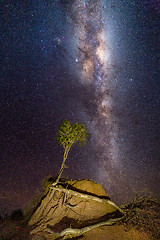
{"x": 75, "y": 204}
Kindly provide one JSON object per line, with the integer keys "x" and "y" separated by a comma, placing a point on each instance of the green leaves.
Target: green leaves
{"x": 69, "y": 134}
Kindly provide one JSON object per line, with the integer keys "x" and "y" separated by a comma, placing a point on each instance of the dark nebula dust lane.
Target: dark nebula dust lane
{"x": 95, "y": 62}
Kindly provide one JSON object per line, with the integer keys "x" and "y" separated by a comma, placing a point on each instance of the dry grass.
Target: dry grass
{"x": 143, "y": 213}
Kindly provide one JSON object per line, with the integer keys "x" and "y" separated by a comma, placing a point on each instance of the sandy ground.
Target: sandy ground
{"x": 115, "y": 233}
{"x": 13, "y": 231}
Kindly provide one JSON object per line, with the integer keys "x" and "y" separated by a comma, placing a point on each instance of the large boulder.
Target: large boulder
{"x": 77, "y": 203}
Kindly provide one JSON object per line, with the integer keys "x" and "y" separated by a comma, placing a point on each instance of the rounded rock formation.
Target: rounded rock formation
{"x": 78, "y": 202}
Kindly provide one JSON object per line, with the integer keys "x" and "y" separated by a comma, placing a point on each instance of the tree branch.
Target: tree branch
{"x": 73, "y": 232}
{"x": 86, "y": 196}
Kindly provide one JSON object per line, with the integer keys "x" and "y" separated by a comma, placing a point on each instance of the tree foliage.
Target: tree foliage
{"x": 68, "y": 135}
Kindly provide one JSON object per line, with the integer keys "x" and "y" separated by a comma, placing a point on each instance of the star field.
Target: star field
{"x": 95, "y": 62}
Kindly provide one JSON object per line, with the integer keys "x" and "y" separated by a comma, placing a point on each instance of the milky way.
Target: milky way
{"x": 94, "y": 64}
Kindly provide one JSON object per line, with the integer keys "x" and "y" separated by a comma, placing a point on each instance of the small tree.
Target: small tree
{"x": 69, "y": 134}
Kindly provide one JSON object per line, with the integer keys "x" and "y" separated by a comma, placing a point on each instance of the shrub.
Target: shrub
{"x": 17, "y": 215}
{"x": 144, "y": 214}
{"x": 46, "y": 183}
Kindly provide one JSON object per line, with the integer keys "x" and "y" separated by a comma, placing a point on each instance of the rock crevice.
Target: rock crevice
{"x": 83, "y": 202}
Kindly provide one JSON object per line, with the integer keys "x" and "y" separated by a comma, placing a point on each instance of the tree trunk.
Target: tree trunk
{"x": 65, "y": 155}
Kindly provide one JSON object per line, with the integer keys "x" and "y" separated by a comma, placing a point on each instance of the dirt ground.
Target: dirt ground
{"x": 15, "y": 231}
{"x": 115, "y": 233}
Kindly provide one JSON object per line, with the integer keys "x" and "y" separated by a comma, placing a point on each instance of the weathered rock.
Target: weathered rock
{"x": 73, "y": 202}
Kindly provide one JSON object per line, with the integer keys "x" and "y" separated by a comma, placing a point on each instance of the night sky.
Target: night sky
{"x": 95, "y": 62}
